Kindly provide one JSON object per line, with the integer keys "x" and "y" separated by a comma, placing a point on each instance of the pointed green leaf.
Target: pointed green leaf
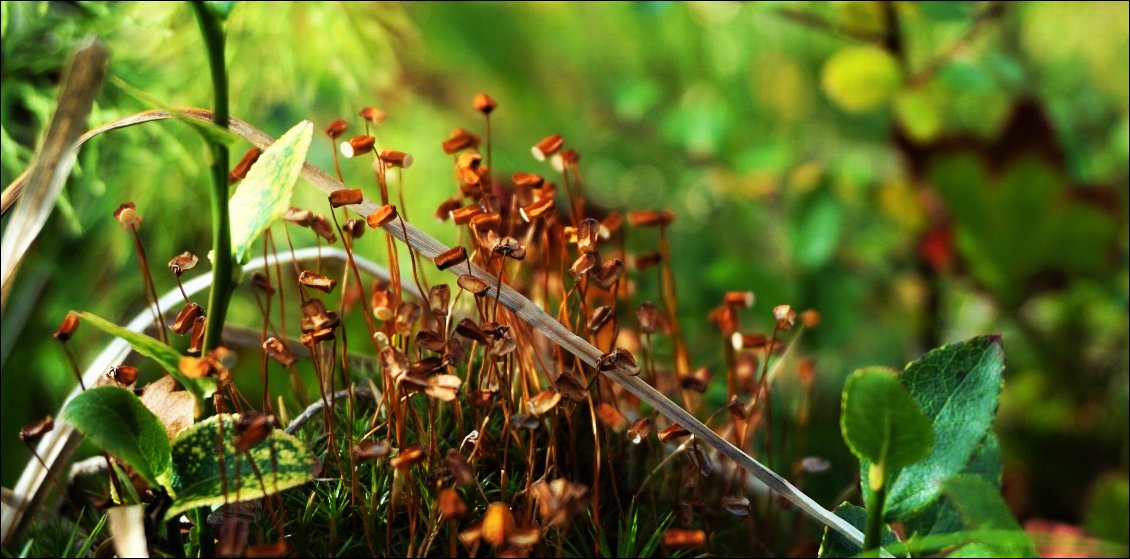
{"x": 165, "y": 356}
{"x": 281, "y": 460}
{"x": 881, "y": 423}
{"x": 264, "y": 196}
{"x": 957, "y": 386}
{"x": 834, "y": 544}
{"x": 982, "y": 508}
{"x": 116, "y": 421}
{"x": 941, "y": 517}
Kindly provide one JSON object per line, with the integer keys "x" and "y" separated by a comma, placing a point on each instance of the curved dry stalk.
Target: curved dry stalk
{"x": 534, "y": 316}
{"x": 57, "y": 446}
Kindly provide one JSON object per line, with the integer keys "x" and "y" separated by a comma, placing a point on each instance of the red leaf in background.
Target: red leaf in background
{"x": 936, "y": 247}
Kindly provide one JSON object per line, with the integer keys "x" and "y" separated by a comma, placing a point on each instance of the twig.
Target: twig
{"x": 317, "y": 407}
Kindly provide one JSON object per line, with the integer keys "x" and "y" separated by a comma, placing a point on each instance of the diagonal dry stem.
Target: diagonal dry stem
{"x": 533, "y": 315}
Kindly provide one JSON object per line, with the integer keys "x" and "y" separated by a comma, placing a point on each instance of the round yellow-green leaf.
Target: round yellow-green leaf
{"x": 861, "y": 78}
{"x": 264, "y": 196}
{"x": 881, "y": 423}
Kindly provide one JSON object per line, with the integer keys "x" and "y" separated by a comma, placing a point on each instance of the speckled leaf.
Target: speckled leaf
{"x": 881, "y": 422}
{"x": 281, "y": 459}
{"x": 958, "y": 387}
{"x": 941, "y": 517}
{"x": 116, "y": 421}
{"x": 834, "y": 544}
{"x": 264, "y": 196}
{"x": 165, "y": 356}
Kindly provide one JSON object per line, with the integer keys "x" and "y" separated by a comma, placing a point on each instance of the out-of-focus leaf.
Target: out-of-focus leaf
{"x": 264, "y": 196}
{"x": 861, "y": 78}
{"x": 1021, "y": 227}
{"x": 54, "y": 160}
{"x": 116, "y": 421}
{"x": 198, "y": 479}
{"x": 1107, "y": 512}
{"x": 817, "y": 232}
{"x": 917, "y": 113}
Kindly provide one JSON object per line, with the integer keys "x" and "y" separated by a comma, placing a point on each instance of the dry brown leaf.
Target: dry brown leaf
{"x": 174, "y": 407}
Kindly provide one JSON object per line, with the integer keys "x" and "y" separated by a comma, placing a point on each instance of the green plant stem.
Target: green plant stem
{"x": 222, "y": 281}
{"x": 874, "y": 528}
{"x": 211, "y": 28}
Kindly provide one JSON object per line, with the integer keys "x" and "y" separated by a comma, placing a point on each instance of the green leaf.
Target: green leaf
{"x": 165, "y": 356}
{"x": 982, "y": 508}
{"x": 834, "y": 544}
{"x": 941, "y": 517}
{"x": 1022, "y": 226}
{"x": 1108, "y": 516}
{"x": 957, "y": 386}
{"x": 264, "y": 196}
{"x": 975, "y": 550}
{"x": 117, "y": 422}
{"x": 281, "y": 460}
{"x": 881, "y": 423}
{"x": 861, "y": 78}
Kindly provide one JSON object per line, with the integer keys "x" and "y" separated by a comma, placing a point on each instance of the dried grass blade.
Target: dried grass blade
{"x": 44, "y": 181}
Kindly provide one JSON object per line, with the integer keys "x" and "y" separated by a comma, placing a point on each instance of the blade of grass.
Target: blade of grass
{"x": 44, "y": 181}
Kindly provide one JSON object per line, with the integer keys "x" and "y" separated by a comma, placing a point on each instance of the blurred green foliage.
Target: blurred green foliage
{"x": 918, "y": 172}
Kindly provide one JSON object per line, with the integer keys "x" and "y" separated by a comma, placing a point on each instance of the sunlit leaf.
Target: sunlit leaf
{"x": 282, "y": 462}
{"x": 264, "y": 196}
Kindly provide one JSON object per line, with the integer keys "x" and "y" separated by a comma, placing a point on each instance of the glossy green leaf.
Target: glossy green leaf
{"x": 861, "y": 78}
{"x": 881, "y": 423}
{"x": 957, "y": 386}
{"x": 116, "y": 421}
{"x": 941, "y": 517}
{"x": 834, "y": 544}
{"x": 982, "y": 508}
{"x": 165, "y": 356}
{"x": 281, "y": 460}
{"x": 264, "y": 196}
